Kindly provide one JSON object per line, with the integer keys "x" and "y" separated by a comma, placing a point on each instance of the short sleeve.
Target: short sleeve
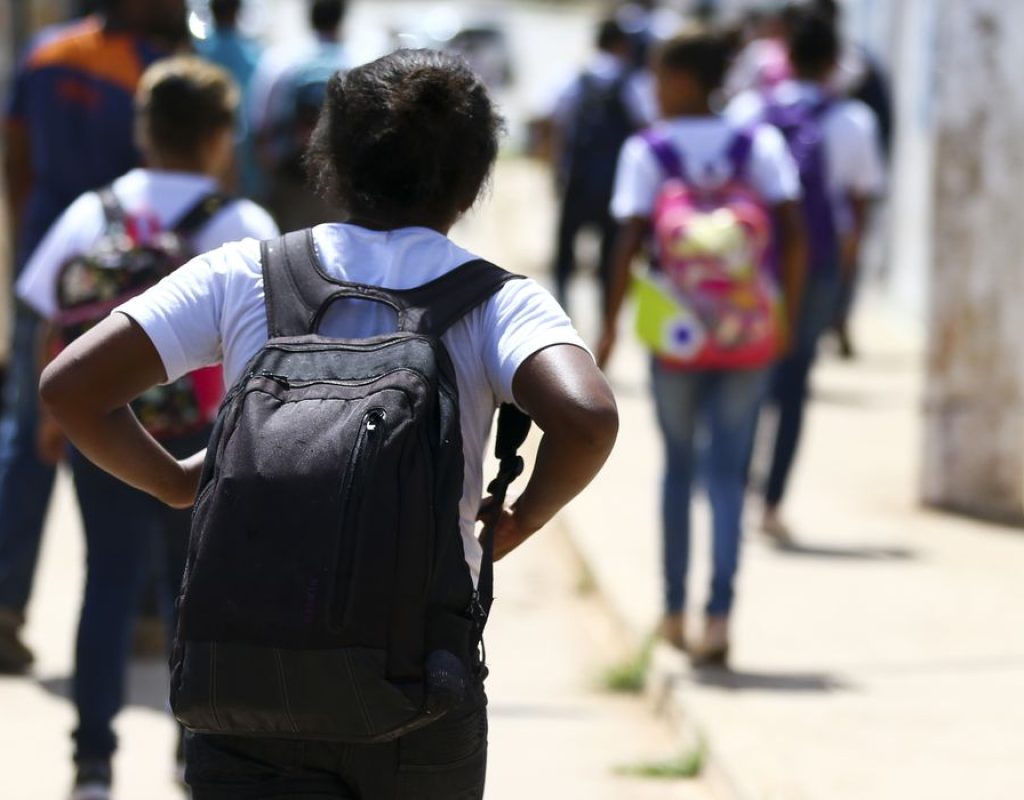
{"x": 745, "y": 109}
{"x": 520, "y": 320}
{"x": 564, "y": 103}
{"x": 861, "y": 170}
{"x": 640, "y": 97}
{"x": 74, "y": 232}
{"x": 243, "y": 219}
{"x": 181, "y": 315}
{"x": 16, "y": 107}
{"x": 773, "y": 172}
{"x": 637, "y": 180}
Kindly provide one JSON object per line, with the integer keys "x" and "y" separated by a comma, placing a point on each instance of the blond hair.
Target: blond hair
{"x": 181, "y": 102}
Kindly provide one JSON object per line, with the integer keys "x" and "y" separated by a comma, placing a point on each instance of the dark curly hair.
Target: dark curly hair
{"x": 408, "y": 138}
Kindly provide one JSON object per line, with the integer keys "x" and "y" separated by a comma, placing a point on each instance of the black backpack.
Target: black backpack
{"x": 599, "y": 127}
{"x": 326, "y": 593}
{"x": 124, "y": 262}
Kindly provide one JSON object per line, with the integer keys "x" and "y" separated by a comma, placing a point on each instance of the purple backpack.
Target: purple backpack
{"x": 801, "y": 125}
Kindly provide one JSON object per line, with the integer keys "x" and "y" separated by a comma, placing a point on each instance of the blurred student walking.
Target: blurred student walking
{"x": 186, "y": 113}
{"x": 703, "y": 193}
{"x": 68, "y": 130}
{"x": 227, "y": 46}
{"x": 835, "y": 144}
{"x": 287, "y": 93}
{"x": 592, "y": 118}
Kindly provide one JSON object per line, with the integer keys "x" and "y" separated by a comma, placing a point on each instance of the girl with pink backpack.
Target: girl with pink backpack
{"x": 718, "y": 208}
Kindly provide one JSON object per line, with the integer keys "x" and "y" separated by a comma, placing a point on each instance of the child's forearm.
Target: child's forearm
{"x": 628, "y": 243}
{"x": 793, "y": 260}
{"x": 87, "y": 389}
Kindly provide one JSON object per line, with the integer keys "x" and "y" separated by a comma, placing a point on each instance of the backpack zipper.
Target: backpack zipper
{"x": 364, "y": 455}
{"x": 287, "y": 383}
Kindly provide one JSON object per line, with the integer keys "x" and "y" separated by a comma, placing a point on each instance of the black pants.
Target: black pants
{"x": 579, "y": 212}
{"x": 444, "y": 761}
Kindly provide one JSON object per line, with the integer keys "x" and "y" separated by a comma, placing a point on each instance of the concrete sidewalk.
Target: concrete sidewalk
{"x": 882, "y": 656}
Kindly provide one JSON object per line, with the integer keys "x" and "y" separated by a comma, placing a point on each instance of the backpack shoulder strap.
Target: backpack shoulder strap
{"x": 298, "y": 291}
{"x": 740, "y": 150}
{"x": 205, "y": 209}
{"x": 668, "y": 157}
{"x": 113, "y": 211}
{"x": 434, "y": 307}
{"x": 513, "y": 427}
{"x": 294, "y": 285}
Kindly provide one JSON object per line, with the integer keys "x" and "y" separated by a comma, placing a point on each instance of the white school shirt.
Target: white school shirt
{"x": 854, "y": 161}
{"x": 161, "y": 196}
{"x": 703, "y": 143}
{"x": 212, "y": 309}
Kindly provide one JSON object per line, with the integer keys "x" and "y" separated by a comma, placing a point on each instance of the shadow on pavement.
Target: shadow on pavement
{"x": 147, "y": 685}
{"x": 538, "y": 711}
{"x": 741, "y": 680}
{"x": 851, "y": 552}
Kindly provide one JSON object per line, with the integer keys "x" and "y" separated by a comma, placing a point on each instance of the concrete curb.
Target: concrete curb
{"x": 662, "y": 688}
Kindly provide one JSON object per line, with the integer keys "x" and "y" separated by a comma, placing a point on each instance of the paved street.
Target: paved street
{"x": 881, "y": 656}
{"x": 552, "y": 734}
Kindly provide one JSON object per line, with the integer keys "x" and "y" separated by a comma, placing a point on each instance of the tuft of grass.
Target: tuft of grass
{"x": 629, "y": 676}
{"x": 684, "y": 766}
{"x": 586, "y": 583}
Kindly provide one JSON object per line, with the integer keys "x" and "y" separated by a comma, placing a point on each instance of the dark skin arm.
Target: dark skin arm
{"x": 850, "y": 245}
{"x": 628, "y": 244}
{"x": 789, "y": 226}
{"x": 87, "y": 389}
{"x": 17, "y": 173}
{"x": 569, "y": 399}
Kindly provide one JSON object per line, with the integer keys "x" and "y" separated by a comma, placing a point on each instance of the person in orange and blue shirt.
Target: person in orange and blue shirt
{"x": 68, "y": 129}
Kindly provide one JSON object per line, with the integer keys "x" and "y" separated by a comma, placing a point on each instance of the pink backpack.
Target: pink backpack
{"x": 711, "y": 299}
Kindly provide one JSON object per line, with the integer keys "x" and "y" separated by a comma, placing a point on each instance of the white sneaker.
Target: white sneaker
{"x": 92, "y": 781}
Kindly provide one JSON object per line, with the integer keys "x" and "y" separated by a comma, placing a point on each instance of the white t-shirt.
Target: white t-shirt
{"x": 703, "y": 144}
{"x": 212, "y": 309}
{"x": 854, "y": 159}
{"x": 159, "y": 197}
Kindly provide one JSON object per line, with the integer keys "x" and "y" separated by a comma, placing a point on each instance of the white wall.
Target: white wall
{"x": 974, "y": 403}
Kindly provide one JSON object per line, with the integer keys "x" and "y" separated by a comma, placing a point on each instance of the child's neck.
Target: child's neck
{"x": 694, "y": 108}
{"x": 412, "y": 221}
{"x": 172, "y": 164}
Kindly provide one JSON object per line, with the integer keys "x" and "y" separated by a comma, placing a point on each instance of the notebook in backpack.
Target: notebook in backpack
{"x": 131, "y": 256}
{"x": 326, "y": 593}
{"x": 711, "y": 300}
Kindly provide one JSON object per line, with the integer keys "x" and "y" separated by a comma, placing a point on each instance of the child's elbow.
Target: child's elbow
{"x": 594, "y": 422}
{"x": 56, "y": 388}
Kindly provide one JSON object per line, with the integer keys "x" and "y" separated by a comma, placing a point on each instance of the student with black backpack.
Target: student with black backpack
{"x": 593, "y": 116}
{"x": 335, "y": 592}
{"x": 108, "y": 246}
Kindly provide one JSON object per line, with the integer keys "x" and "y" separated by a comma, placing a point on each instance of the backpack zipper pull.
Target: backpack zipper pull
{"x": 281, "y": 380}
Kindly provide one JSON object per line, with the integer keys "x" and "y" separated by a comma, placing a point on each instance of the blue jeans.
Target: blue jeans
{"x": 791, "y": 378}
{"x": 126, "y": 531}
{"x": 25, "y": 481}
{"x": 722, "y": 406}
